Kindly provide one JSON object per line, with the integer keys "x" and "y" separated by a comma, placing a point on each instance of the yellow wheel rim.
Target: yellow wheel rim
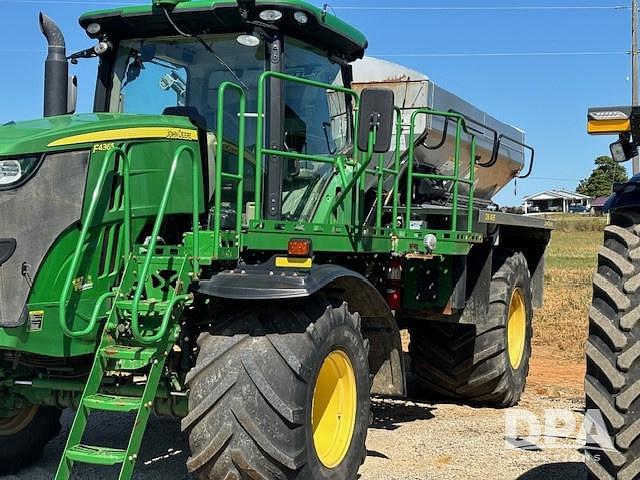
{"x": 333, "y": 412}
{"x": 516, "y": 328}
{"x": 15, "y": 424}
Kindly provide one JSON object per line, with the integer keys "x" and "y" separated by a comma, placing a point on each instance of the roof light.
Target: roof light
{"x": 609, "y": 115}
{"x": 93, "y": 28}
{"x": 248, "y": 40}
{"x": 610, "y": 120}
{"x": 301, "y": 17}
{"x": 101, "y": 48}
{"x": 270, "y": 15}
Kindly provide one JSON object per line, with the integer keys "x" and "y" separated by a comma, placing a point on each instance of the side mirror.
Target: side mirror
{"x": 72, "y": 97}
{"x": 623, "y": 150}
{"x": 377, "y": 108}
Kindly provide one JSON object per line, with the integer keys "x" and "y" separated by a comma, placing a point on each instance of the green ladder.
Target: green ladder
{"x": 144, "y": 352}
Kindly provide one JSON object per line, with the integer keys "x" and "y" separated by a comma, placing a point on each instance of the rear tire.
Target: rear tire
{"x": 24, "y": 436}
{"x": 612, "y": 383}
{"x": 256, "y": 398}
{"x": 480, "y": 364}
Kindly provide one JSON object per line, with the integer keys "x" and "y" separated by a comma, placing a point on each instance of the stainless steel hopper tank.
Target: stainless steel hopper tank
{"x": 413, "y": 90}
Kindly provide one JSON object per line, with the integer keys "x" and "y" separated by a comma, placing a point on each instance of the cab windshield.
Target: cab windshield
{"x": 152, "y": 75}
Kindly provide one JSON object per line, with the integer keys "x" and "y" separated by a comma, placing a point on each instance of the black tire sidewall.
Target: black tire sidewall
{"x": 26, "y": 446}
{"x": 349, "y": 341}
{"x": 518, "y": 278}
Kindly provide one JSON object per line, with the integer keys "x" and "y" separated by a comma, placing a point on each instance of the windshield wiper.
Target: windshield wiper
{"x": 205, "y": 45}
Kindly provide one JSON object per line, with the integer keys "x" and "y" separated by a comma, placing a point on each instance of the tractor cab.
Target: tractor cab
{"x": 167, "y": 59}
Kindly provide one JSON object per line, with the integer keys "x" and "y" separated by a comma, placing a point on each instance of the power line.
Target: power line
{"x": 374, "y": 8}
{"x": 424, "y": 55}
{"x": 551, "y": 179}
{"x": 405, "y": 9}
{"x": 496, "y": 54}
{"x": 497, "y": 8}
{"x": 23, "y": 50}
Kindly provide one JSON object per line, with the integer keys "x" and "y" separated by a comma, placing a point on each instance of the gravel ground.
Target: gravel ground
{"x": 409, "y": 440}
{"x": 421, "y": 441}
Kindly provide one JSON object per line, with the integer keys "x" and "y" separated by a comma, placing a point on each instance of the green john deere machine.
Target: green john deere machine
{"x": 236, "y": 236}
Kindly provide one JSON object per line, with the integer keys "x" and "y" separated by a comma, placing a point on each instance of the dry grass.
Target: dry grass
{"x": 576, "y": 223}
{"x": 561, "y": 325}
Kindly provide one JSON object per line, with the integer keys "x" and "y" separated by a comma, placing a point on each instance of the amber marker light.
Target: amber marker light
{"x": 299, "y": 248}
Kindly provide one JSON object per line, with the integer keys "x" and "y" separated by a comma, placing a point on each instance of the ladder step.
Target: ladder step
{"x": 112, "y": 403}
{"x": 144, "y": 306}
{"x": 128, "y": 352}
{"x": 95, "y": 455}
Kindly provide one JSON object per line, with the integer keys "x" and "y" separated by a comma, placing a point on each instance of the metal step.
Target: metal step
{"x": 159, "y": 262}
{"x": 96, "y": 455}
{"x": 128, "y": 352}
{"x": 129, "y": 357}
{"x": 112, "y": 403}
{"x": 144, "y": 306}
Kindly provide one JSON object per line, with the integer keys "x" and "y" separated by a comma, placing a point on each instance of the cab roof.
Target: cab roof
{"x": 223, "y": 16}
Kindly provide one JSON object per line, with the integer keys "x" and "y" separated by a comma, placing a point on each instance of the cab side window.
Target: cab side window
{"x": 315, "y": 119}
{"x": 315, "y": 124}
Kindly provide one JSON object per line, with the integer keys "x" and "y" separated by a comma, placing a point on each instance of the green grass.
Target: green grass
{"x": 571, "y": 261}
{"x": 574, "y": 250}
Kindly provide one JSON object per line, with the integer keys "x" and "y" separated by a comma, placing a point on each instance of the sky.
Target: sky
{"x": 536, "y": 68}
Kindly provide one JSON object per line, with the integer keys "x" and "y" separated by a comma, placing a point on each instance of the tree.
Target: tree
{"x": 600, "y": 183}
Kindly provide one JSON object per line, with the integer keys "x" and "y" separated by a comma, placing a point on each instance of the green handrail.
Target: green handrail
{"x": 472, "y": 184}
{"x": 358, "y": 175}
{"x": 162, "y": 329}
{"x": 135, "y": 318}
{"x": 239, "y": 177}
{"x": 397, "y": 156}
{"x": 75, "y": 262}
{"x": 455, "y": 178}
{"x": 261, "y": 151}
{"x": 381, "y": 171}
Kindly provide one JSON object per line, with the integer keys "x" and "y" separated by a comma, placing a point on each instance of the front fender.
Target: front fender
{"x": 379, "y": 327}
{"x": 265, "y": 282}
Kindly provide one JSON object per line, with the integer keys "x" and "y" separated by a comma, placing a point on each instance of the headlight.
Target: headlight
{"x": 14, "y": 171}
{"x": 270, "y": 15}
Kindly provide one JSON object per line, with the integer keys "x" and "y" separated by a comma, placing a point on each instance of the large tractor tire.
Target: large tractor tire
{"x": 24, "y": 436}
{"x": 483, "y": 364}
{"x": 280, "y": 390}
{"x": 612, "y": 383}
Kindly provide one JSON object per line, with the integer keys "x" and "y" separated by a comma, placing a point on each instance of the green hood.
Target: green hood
{"x": 61, "y": 133}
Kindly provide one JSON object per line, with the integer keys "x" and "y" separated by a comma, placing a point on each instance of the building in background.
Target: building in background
{"x": 559, "y": 201}
{"x": 597, "y": 206}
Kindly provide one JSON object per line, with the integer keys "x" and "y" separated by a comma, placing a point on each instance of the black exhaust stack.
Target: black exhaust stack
{"x": 56, "y": 69}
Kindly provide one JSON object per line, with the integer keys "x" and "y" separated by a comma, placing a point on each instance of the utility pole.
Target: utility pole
{"x": 634, "y": 68}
